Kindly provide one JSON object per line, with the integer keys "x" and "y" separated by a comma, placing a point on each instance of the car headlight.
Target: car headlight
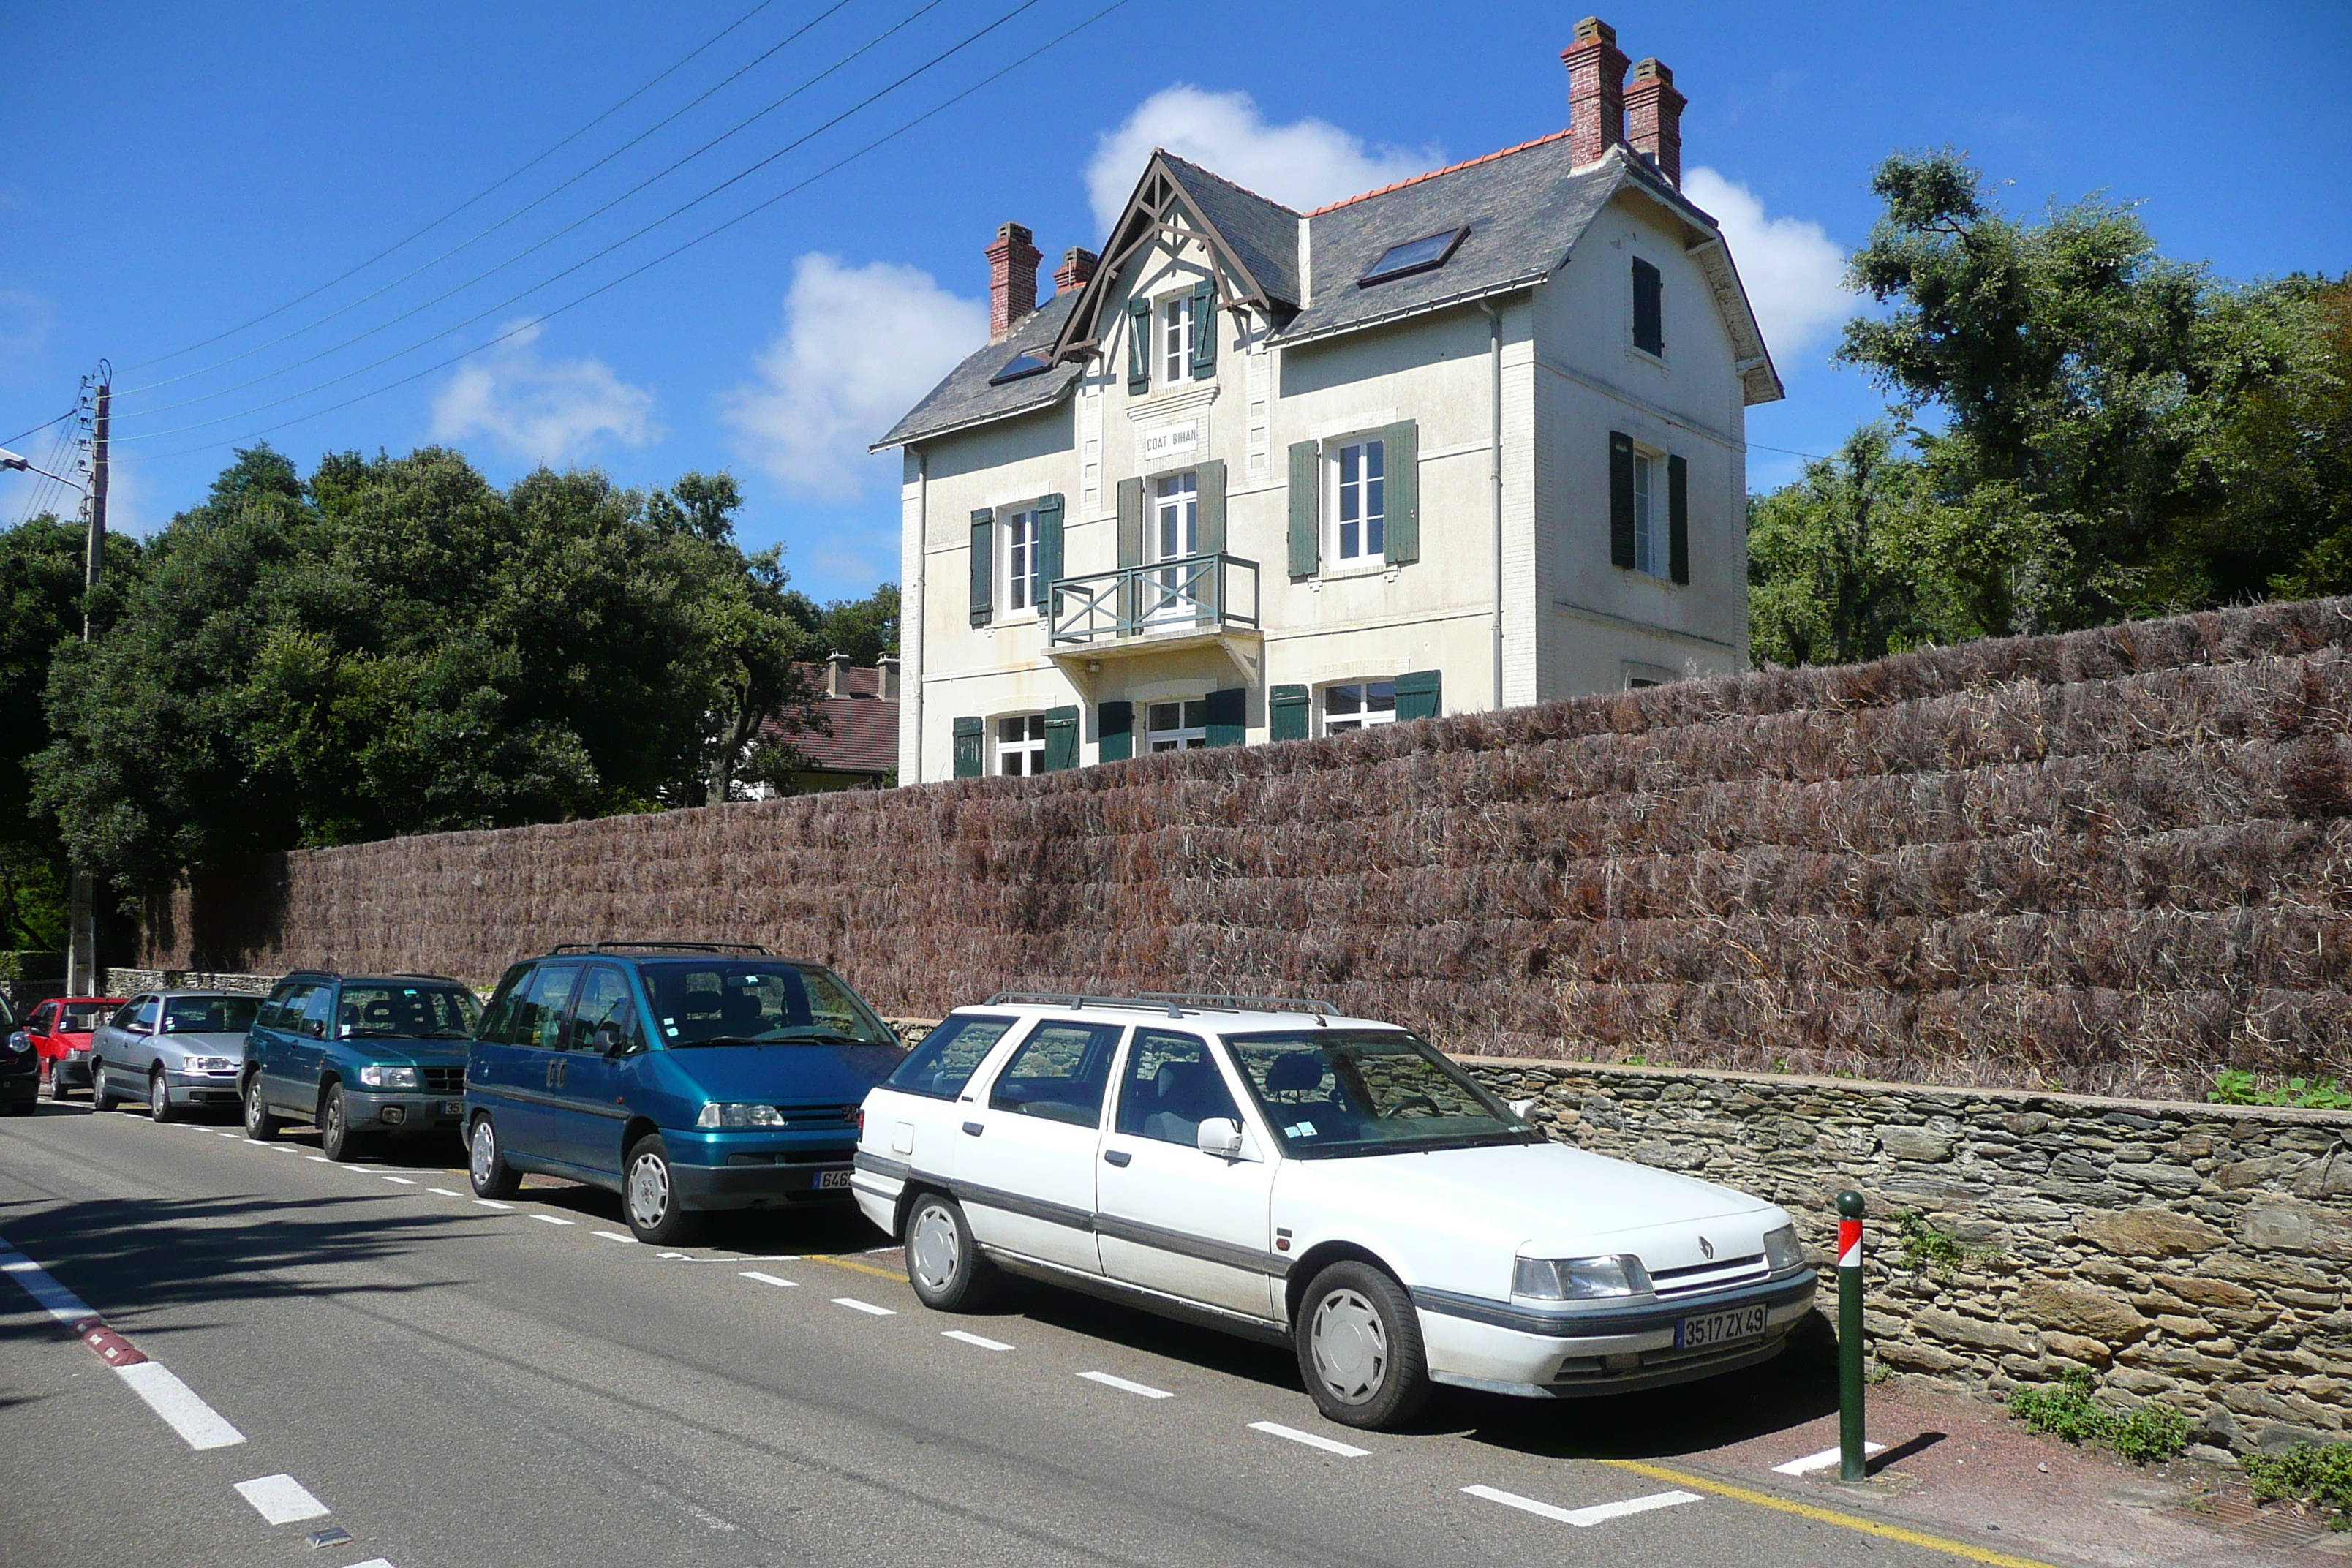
{"x": 378, "y": 1077}
{"x": 208, "y": 1064}
{"x": 1580, "y": 1279}
{"x": 1782, "y": 1251}
{"x": 739, "y": 1116}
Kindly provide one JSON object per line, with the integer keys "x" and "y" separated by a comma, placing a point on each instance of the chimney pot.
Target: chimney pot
{"x": 887, "y": 684}
{"x": 1078, "y": 268}
{"x": 1596, "y": 89}
{"x": 1011, "y": 280}
{"x": 836, "y": 674}
{"x": 1653, "y": 118}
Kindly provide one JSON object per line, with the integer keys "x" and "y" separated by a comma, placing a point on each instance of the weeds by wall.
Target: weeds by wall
{"x": 2114, "y": 862}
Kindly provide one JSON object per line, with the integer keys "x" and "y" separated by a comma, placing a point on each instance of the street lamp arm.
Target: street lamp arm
{"x": 9, "y": 459}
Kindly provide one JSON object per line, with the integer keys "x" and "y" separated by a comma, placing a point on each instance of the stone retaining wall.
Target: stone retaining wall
{"x": 2191, "y": 1253}
{"x": 130, "y": 982}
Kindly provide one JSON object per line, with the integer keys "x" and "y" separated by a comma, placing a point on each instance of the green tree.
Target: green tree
{"x": 1829, "y": 580}
{"x": 864, "y": 629}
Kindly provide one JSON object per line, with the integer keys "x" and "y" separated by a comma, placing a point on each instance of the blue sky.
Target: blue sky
{"x": 168, "y": 173}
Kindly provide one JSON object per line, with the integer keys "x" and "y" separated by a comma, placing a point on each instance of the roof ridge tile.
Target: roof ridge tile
{"x": 1431, "y": 175}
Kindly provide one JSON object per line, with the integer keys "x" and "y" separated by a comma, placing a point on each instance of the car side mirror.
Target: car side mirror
{"x": 1220, "y": 1136}
{"x": 1519, "y": 1108}
{"x": 609, "y": 1039}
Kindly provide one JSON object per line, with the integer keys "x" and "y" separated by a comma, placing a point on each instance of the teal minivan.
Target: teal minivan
{"x": 686, "y": 1077}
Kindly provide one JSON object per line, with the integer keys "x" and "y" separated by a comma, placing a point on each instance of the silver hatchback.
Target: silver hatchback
{"x": 177, "y": 1050}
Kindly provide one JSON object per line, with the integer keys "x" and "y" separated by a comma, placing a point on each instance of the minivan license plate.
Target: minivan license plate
{"x": 1719, "y": 1328}
{"x": 828, "y": 1180}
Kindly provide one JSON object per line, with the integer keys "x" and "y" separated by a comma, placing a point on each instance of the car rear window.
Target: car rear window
{"x": 81, "y": 1017}
{"x": 407, "y": 1012}
{"x": 948, "y": 1056}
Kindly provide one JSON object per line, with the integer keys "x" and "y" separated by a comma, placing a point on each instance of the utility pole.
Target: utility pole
{"x": 81, "y": 911}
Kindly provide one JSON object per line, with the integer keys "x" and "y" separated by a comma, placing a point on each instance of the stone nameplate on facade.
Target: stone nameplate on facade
{"x": 1170, "y": 443}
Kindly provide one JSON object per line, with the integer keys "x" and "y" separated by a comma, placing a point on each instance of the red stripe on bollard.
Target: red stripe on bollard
{"x": 1849, "y": 1244}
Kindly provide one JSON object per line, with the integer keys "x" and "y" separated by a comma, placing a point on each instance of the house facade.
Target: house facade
{"x": 1470, "y": 441}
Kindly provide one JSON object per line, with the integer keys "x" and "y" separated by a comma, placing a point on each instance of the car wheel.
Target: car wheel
{"x": 260, "y": 1125}
{"x": 649, "y": 1195}
{"x": 486, "y": 1163}
{"x": 1360, "y": 1348}
{"x": 943, "y": 1264}
{"x": 57, "y": 1078}
{"x": 100, "y": 1097}
{"x": 159, "y": 1098}
{"x": 336, "y": 1139}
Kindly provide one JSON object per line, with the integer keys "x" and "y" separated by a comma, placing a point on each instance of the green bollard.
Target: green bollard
{"x": 1849, "y": 1268}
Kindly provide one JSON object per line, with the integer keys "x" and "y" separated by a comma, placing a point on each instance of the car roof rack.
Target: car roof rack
{"x": 1175, "y": 1003}
{"x": 616, "y": 945}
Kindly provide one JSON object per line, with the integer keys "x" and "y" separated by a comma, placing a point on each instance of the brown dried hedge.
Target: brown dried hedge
{"x": 2111, "y": 861}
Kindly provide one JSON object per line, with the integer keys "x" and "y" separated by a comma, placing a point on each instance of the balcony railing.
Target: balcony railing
{"x": 1196, "y": 593}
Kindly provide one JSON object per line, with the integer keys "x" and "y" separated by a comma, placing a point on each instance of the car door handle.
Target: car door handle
{"x": 1118, "y": 1157}
{"x": 975, "y": 1128}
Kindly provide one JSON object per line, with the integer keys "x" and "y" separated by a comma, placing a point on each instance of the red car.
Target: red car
{"x": 61, "y": 1027}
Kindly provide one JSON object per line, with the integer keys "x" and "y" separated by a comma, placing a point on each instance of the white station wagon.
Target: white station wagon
{"x": 1330, "y": 1183}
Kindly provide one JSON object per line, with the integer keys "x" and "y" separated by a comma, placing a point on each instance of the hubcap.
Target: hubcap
{"x": 1352, "y": 1347}
{"x": 648, "y": 1191}
{"x": 159, "y": 1098}
{"x": 485, "y": 1155}
{"x": 334, "y": 1132}
{"x": 932, "y": 1247}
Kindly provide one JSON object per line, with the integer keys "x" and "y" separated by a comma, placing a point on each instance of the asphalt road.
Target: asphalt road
{"x": 461, "y": 1385}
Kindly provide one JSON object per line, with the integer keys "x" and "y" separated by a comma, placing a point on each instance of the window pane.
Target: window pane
{"x": 1373, "y": 454}
{"x": 1172, "y": 1086}
{"x": 1167, "y": 716}
{"x": 538, "y": 1017}
{"x": 1008, "y": 728}
{"x": 1343, "y": 699}
{"x": 1060, "y": 1074}
{"x": 948, "y": 1056}
{"x": 1380, "y": 697}
{"x": 1196, "y": 714}
{"x": 604, "y": 1002}
{"x": 1351, "y": 458}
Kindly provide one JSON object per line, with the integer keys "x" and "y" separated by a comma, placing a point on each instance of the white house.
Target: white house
{"x": 1469, "y": 441}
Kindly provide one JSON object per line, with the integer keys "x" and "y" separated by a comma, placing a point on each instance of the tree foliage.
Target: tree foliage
{"x": 2081, "y": 431}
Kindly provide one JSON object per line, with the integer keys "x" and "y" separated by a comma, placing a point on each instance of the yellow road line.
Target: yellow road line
{"x": 851, "y": 1263}
{"x": 1829, "y": 1516}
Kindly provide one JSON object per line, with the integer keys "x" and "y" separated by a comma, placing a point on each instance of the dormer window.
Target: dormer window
{"x": 1427, "y": 253}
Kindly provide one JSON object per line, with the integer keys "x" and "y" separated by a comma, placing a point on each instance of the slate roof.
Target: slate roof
{"x": 966, "y": 398}
{"x": 1264, "y": 233}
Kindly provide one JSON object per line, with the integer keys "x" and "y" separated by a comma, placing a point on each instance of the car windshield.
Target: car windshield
{"x": 1331, "y": 1092}
{"x": 377, "y": 1009}
{"x": 758, "y": 1001}
{"x": 209, "y": 1014}
{"x": 82, "y": 1017}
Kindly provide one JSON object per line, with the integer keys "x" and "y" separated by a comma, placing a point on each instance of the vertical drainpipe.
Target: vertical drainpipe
{"x": 912, "y": 627}
{"x": 1494, "y": 477}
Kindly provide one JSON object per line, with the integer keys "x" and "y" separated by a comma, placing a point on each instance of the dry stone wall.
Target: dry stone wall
{"x": 2191, "y": 1253}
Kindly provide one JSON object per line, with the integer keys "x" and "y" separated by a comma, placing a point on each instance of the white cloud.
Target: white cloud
{"x": 540, "y": 410}
{"x": 1302, "y": 164}
{"x": 860, "y": 346}
{"x": 1794, "y": 271}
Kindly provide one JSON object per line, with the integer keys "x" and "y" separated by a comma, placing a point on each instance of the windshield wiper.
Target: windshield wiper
{"x": 718, "y": 1040}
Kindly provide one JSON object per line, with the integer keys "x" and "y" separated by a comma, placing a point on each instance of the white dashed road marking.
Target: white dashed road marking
{"x": 281, "y": 1500}
{"x": 770, "y": 1279}
{"x": 54, "y": 1299}
{"x": 1584, "y": 1518}
{"x": 320, "y": 1160}
{"x": 972, "y": 1339}
{"x": 402, "y": 1181}
{"x": 493, "y": 1204}
{"x": 444, "y": 1192}
{"x": 612, "y": 1235}
{"x": 177, "y": 1402}
{"x": 228, "y": 1134}
{"x": 1275, "y": 1429}
{"x": 1145, "y": 1389}
{"x": 550, "y": 1219}
{"x": 855, "y": 1305}
{"x": 1823, "y": 1460}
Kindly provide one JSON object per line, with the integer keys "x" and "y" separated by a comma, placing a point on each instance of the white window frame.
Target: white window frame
{"x": 1030, "y": 746}
{"x": 1024, "y": 583}
{"x": 1651, "y": 545}
{"x": 1365, "y": 716}
{"x": 1335, "y": 452}
{"x": 1183, "y": 737}
{"x": 1178, "y": 493}
{"x": 1171, "y": 319}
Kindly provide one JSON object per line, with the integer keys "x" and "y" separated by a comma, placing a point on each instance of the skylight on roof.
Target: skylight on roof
{"x": 1017, "y": 367}
{"x": 1426, "y": 254}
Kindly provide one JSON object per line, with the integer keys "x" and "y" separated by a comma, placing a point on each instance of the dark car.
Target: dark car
{"x": 685, "y": 1077}
{"x": 359, "y": 1055}
{"x": 20, "y": 1066}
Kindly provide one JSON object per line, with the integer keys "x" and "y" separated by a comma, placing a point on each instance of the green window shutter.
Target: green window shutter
{"x": 1420, "y": 694}
{"x": 1620, "y": 499}
{"x": 1649, "y": 311}
{"x": 1305, "y": 516}
{"x": 1211, "y": 478}
{"x": 1401, "y": 462}
{"x": 1061, "y": 738}
{"x": 1678, "y": 518}
{"x": 983, "y": 567}
{"x": 1228, "y": 717}
{"x": 1131, "y": 542}
{"x": 1286, "y": 713}
{"x": 1117, "y": 721}
{"x": 1138, "y": 347}
{"x": 968, "y": 733}
{"x": 1205, "y": 329}
{"x": 1049, "y": 544}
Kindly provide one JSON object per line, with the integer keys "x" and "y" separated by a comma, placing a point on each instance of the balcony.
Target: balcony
{"x": 1196, "y": 601}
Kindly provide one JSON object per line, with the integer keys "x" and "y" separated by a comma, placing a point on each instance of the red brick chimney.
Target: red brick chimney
{"x": 1596, "y": 89}
{"x": 1011, "y": 280}
{"x": 1078, "y": 267}
{"x": 1654, "y": 118}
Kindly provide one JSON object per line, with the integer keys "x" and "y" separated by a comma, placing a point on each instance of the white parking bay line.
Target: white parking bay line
{"x": 493, "y": 1204}
{"x": 1823, "y": 1460}
{"x": 402, "y": 1181}
{"x": 1145, "y": 1389}
{"x": 1329, "y": 1446}
{"x": 972, "y": 1339}
{"x": 443, "y": 1192}
{"x": 1584, "y": 1518}
{"x": 177, "y": 1402}
{"x": 770, "y": 1279}
{"x": 228, "y": 1134}
{"x": 550, "y": 1219}
{"x": 374, "y": 1563}
{"x": 54, "y": 1299}
{"x": 281, "y": 1500}
{"x": 320, "y": 1160}
{"x": 612, "y": 1235}
{"x": 855, "y": 1305}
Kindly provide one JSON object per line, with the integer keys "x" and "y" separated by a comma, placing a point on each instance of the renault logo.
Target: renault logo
{"x": 1706, "y": 1247}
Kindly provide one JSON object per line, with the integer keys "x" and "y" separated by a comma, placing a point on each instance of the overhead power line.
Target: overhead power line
{"x": 712, "y": 233}
{"x": 511, "y": 300}
{"x": 478, "y": 234}
{"x": 488, "y": 190}
{"x": 41, "y": 426}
